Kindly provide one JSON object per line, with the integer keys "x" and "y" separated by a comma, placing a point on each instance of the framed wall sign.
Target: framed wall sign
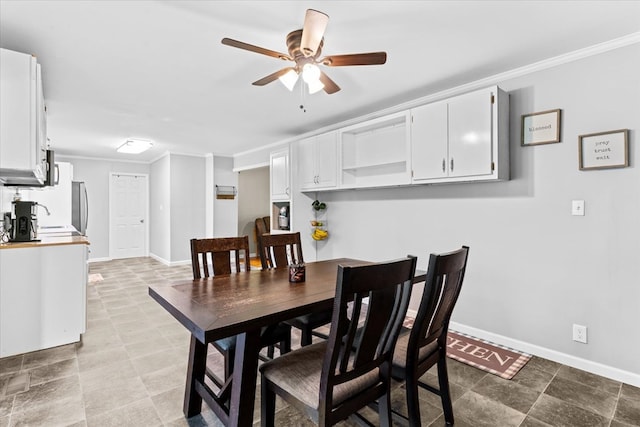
{"x": 541, "y": 128}
{"x": 604, "y": 150}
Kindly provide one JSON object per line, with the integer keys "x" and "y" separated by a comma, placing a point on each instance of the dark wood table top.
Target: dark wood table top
{"x": 223, "y": 306}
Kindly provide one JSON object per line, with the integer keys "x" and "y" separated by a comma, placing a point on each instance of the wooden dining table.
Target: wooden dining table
{"x": 242, "y": 304}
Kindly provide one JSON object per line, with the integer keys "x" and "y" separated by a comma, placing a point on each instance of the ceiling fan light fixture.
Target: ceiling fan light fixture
{"x": 289, "y": 79}
{"x": 315, "y": 22}
{"x": 310, "y": 73}
{"x": 134, "y": 146}
{"x": 315, "y": 86}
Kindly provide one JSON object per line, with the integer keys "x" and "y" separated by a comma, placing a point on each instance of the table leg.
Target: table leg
{"x": 243, "y": 390}
{"x": 195, "y": 371}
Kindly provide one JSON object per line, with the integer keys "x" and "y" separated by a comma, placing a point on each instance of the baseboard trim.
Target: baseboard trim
{"x": 169, "y": 263}
{"x": 553, "y": 355}
{"x": 546, "y": 353}
{"x": 100, "y": 259}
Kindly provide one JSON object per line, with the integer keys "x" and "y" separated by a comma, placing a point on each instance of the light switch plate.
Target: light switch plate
{"x": 577, "y": 207}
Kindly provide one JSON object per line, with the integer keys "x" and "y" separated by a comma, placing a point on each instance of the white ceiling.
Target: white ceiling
{"x": 157, "y": 70}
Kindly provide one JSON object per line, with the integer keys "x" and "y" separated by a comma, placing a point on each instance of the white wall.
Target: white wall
{"x": 534, "y": 270}
{"x": 95, "y": 174}
{"x": 177, "y": 206}
{"x": 187, "y": 189}
{"x": 253, "y": 201}
{"x": 160, "y": 209}
{"x": 252, "y": 159}
{"x": 225, "y": 211}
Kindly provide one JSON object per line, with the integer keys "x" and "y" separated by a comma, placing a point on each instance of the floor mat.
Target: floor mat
{"x": 487, "y": 356}
{"x": 95, "y": 277}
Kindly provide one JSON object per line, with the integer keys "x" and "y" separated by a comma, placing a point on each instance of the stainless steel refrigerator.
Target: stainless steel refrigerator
{"x": 79, "y": 207}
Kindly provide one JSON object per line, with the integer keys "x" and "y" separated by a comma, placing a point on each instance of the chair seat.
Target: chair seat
{"x": 298, "y": 373}
{"x": 400, "y": 355}
{"x": 313, "y": 320}
{"x": 273, "y": 336}
{"x": 225, "y": 344}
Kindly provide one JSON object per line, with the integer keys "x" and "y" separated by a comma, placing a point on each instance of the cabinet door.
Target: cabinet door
{"x": 326, "y": 156}
{"x": 41, "y": 127}
{"x": 42, "y": 307}
{"x": 18, "y": 132}
{"x": 280, "y": 175}
{"x": 307, "y": 174}
{"x": 429, "y": 157}
{"x": 470, "y": 134}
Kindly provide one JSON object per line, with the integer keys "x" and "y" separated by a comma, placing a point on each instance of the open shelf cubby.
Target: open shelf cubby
{"x": 376, "y": 152}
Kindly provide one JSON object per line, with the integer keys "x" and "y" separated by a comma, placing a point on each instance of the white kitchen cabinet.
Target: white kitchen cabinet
{"x": 43, "y": 296}
{"x": 23, "y": 136}
{"x": 376, "y": 153}
{"x": 318, "y": 162}
{"x": 280, "y": 174}
{"x": 464, "y": 138}
{"x": 280, "y": 171}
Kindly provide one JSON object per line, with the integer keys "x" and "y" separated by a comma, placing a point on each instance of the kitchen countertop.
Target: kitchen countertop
{"x": 53, "y": 239}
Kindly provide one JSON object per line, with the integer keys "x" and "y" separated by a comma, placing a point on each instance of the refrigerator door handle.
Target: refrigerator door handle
{"x": 86, "y": 211}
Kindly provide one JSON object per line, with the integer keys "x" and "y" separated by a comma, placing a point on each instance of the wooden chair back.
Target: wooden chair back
{"x": 441, "y": 290}
{"x": 221, "y": 254}
{"x": 356, "y": 349}
{"x": 261, "y": 227}
{"x": 280, "y": 250}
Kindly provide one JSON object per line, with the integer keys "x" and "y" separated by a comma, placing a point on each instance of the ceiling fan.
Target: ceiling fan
{"x": 305, "y": 47}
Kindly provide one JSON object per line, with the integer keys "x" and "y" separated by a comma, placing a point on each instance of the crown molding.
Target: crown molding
{"x": 544, "y": 64}
{"x": 99, "y": 159}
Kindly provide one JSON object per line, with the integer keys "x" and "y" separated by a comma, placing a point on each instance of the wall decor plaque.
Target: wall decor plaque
{"x": 604, "y": 150}
{"x": 541, "y": 128}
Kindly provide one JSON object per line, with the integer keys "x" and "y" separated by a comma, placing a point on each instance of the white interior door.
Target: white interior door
{"x": 128, "y": 215}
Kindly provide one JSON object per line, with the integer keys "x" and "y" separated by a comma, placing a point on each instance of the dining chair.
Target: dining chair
{"x": 330, "y": 380}
{"x": 426, "y": 344}
{"x": 278, "y": 251}
{"x": 262, "y": 226}
{"x": 219, "y": 256}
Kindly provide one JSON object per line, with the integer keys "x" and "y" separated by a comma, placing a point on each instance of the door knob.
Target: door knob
{"x": 141, "y": 221}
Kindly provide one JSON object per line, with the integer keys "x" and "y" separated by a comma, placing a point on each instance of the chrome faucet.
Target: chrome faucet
{"x": 45, "y": 208}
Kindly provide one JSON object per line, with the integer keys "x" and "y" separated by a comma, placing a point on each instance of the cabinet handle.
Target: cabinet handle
{"x": 444, "y": 163}
{"x": 286, "y": 191}
{"x": 451, "y": 165}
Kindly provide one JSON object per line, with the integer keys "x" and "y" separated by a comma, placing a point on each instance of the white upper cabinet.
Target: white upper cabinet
{"x": 464, "y": 138}
{"x": 280, "y": 181}
{"x": 318, "y": 162}
{"x": 429, "y": 141}
{"x": 23, "y": 137}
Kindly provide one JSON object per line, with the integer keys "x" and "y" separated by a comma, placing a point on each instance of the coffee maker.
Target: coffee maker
{"x": 24, "y": 224}
{"x": 283, "y": 218}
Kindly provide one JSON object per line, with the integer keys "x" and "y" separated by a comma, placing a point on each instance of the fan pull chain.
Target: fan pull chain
{"x": 302, "y": 97}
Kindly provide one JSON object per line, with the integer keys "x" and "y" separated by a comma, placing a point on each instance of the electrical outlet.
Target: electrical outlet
{"x": 577, "y": 207}
{"x": 580, "y": 333}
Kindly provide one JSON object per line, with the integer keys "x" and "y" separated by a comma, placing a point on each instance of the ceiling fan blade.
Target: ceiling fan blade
{"x": 273, "y": 76}
{"x": 256, "y": 49}
{"x": 329, "y": 85}
{"x": 371, "y": 58}
{"x": 315, "y": 22}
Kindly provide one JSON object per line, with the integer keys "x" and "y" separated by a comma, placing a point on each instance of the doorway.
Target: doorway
{"x": 253, "y": 202}
{"x": 128, "y": 213}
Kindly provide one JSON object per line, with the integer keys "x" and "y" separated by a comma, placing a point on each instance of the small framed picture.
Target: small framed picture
{"x": 604, "y": 150}
{"x": 541, "y": 128}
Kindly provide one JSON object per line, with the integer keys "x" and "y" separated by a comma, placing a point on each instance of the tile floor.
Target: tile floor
{"x": 129, "y": 370}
